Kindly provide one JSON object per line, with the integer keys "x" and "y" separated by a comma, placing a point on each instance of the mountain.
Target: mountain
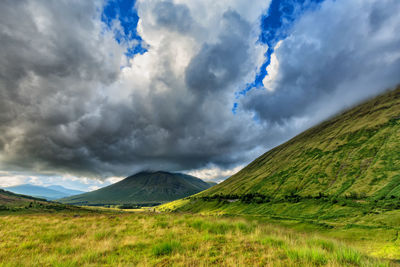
{"x": 351, "y": 160}
{"x": 10, "y": 199}
{"x": 67, "y": 191}
{"x": 145, "y": 188}
{"x": 11, "y": 202}
{"x": 41, "y": 192}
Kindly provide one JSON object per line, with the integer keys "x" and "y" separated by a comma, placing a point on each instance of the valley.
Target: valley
{"x": 178, "y": 133}
{"x": 328, "y": 197}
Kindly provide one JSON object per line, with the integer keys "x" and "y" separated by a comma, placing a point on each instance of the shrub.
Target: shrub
{"x": 127, "y": 206}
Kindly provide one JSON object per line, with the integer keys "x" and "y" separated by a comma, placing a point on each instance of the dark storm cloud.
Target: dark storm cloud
{"x": 67, "y": 107}
{"x": 195, "y": 118}
{"x": 50, "y": 68}
{"x": 334, "y": 58}
{"x": 60, "y": 73}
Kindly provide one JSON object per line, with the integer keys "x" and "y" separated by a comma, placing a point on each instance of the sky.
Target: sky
{"x": 94, "y": 91}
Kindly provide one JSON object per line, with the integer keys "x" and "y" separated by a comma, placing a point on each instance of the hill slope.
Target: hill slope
{"x": 11, "y": 199}
{"x": 143, "y": 188}
{"x": 355, "y": 152}
{"x": 38, "y": 191}
{"x": 11, "y": 202}
{"x": 353, "y": 156}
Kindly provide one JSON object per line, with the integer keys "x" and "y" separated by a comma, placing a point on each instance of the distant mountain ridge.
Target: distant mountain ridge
{"x": 47, "y": 192}
{"x": 143, "y": 188}
{"x": 211, "y": 183}
{"x": 62, "y": 189}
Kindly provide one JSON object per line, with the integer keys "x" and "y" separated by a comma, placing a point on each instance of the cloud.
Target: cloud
{"x": 175, "y": 17}
{"x": 272, "y": 71}
{"x": 326, "y": 65}
{"x": 74, "y": 104}
{"x": 209, "y": 71}
{"x": 214, "y": 173}
{"x": 8, "y": 179}
{"x": 69, "y": 181}
{"x": 94, "y": 187}
{"x": 53, "y": 65}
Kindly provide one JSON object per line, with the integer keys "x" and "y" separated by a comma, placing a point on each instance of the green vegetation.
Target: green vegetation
{"x": 328, "y": 197}
{"x": 15, "y": 203}
{"x": 166, "y": 248}
{"x": 355, "y": 154}
{"x": 12, "y": 199}
{"x": 340, "y": 179}
{"x": 142, "y": 189}
{"x": 147, "y": 239}
{"x": 346, "y": 167}
{"x": 375, "y": 231}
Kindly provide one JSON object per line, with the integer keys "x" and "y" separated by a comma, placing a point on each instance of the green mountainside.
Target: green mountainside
{"x": 347, "y": 164}
{"x": 41, "y": 191}
{"x": 12, "y": 199}
{"x": 11, "y": 202}
{"x": 144, "y": 188}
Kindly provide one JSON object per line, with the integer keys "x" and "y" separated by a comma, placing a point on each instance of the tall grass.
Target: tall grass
{"x": 166, "y": 248}
{"x": 130, "y": 239}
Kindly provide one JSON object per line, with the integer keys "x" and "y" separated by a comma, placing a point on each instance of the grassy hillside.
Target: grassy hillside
{"x": 354, "y": 154}
{"x": 16, "y": 203}
{"x": 11, "y": 199}
{"x": 149, "y": 239}
{"x": 144, "y": 188}
{"x": 346, "y": 166}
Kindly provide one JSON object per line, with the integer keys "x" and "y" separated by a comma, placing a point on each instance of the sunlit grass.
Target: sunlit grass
{"x": 148, "y": 239}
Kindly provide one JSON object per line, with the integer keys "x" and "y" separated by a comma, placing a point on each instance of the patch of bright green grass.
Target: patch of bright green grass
{"x": 307, "y": 256}
{"x": 348, "y": 256}
{"x": 166, "y": 248}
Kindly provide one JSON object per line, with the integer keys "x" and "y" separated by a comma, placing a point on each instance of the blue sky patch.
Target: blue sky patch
{"x": 275, "y": 26}
{"x": 125, "y": 12}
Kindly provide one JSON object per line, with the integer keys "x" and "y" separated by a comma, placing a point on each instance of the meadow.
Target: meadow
{"x": 111, "y": 238}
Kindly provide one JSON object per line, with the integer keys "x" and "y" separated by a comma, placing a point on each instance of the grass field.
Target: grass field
{"x": 372, "y": 229}
{"x": 76, "y": 238}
